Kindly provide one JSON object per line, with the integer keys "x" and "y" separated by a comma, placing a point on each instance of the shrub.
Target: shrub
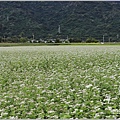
{"x": 91, "y": 40}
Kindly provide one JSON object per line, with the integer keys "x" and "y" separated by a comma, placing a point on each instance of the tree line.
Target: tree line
{"x": 58, "y": 39}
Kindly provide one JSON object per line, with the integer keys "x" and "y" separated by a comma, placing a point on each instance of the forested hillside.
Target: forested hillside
{"x": 77, "y": 19}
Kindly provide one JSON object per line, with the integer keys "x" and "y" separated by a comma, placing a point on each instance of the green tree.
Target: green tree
{"x": 91, "y": 40}
{"x": 23, "y": 39}
{"x": 75, "y": 40}
{"x": 57, "y": 40}
{"x": 0, "y": 39}
{"x": 14, "y": 39}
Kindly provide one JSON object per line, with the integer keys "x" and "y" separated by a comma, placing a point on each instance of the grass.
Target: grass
{"x": 60, "y": 82}
{"x": 52, "y": 44}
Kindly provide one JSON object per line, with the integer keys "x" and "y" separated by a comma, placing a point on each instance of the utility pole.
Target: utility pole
{"x": 59, "y": 29}
{"x": 109, "y": 39}
{"x": 33, "y": 36}
{"x": 103, "y": 38}
{"x": 67, "y": 37}
{"x": 7, "y": 18}
{"x": 4, "y": 38}
{"x": 117, "y": 36}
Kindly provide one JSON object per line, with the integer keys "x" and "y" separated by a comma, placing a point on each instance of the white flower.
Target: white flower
{"x": 109, "y": 108}
{"x": 88, "y": 86}
{"x": 51, "y": 111}
{"x": 96, "y": 115}
{"x": 107, "y": 98}
{"x": 2, "y": 114}
{"x": 12, "y": 117}
{"x": 81, "y": 110}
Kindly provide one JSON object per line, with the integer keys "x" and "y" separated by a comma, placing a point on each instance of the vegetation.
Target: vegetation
{"x": 91, "y": 40}
{"x": 78, "y": 19}
{"x": 60, "y": 82}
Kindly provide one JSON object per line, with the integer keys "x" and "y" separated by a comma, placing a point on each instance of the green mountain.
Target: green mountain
{"x": 77, "y": 19}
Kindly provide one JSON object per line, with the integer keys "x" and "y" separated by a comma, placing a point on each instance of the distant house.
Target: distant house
{"x": 34, "y": 41}
{"x": 51, "y": 40}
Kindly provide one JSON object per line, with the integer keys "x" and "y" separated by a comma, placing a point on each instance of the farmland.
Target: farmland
{"x": 60, "y": 82}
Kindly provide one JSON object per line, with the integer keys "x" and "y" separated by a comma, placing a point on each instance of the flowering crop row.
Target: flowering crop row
{"x": 60, "y": 82}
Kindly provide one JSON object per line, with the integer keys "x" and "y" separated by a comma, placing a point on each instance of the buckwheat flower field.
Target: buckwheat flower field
{"x": 60, "y": 82}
